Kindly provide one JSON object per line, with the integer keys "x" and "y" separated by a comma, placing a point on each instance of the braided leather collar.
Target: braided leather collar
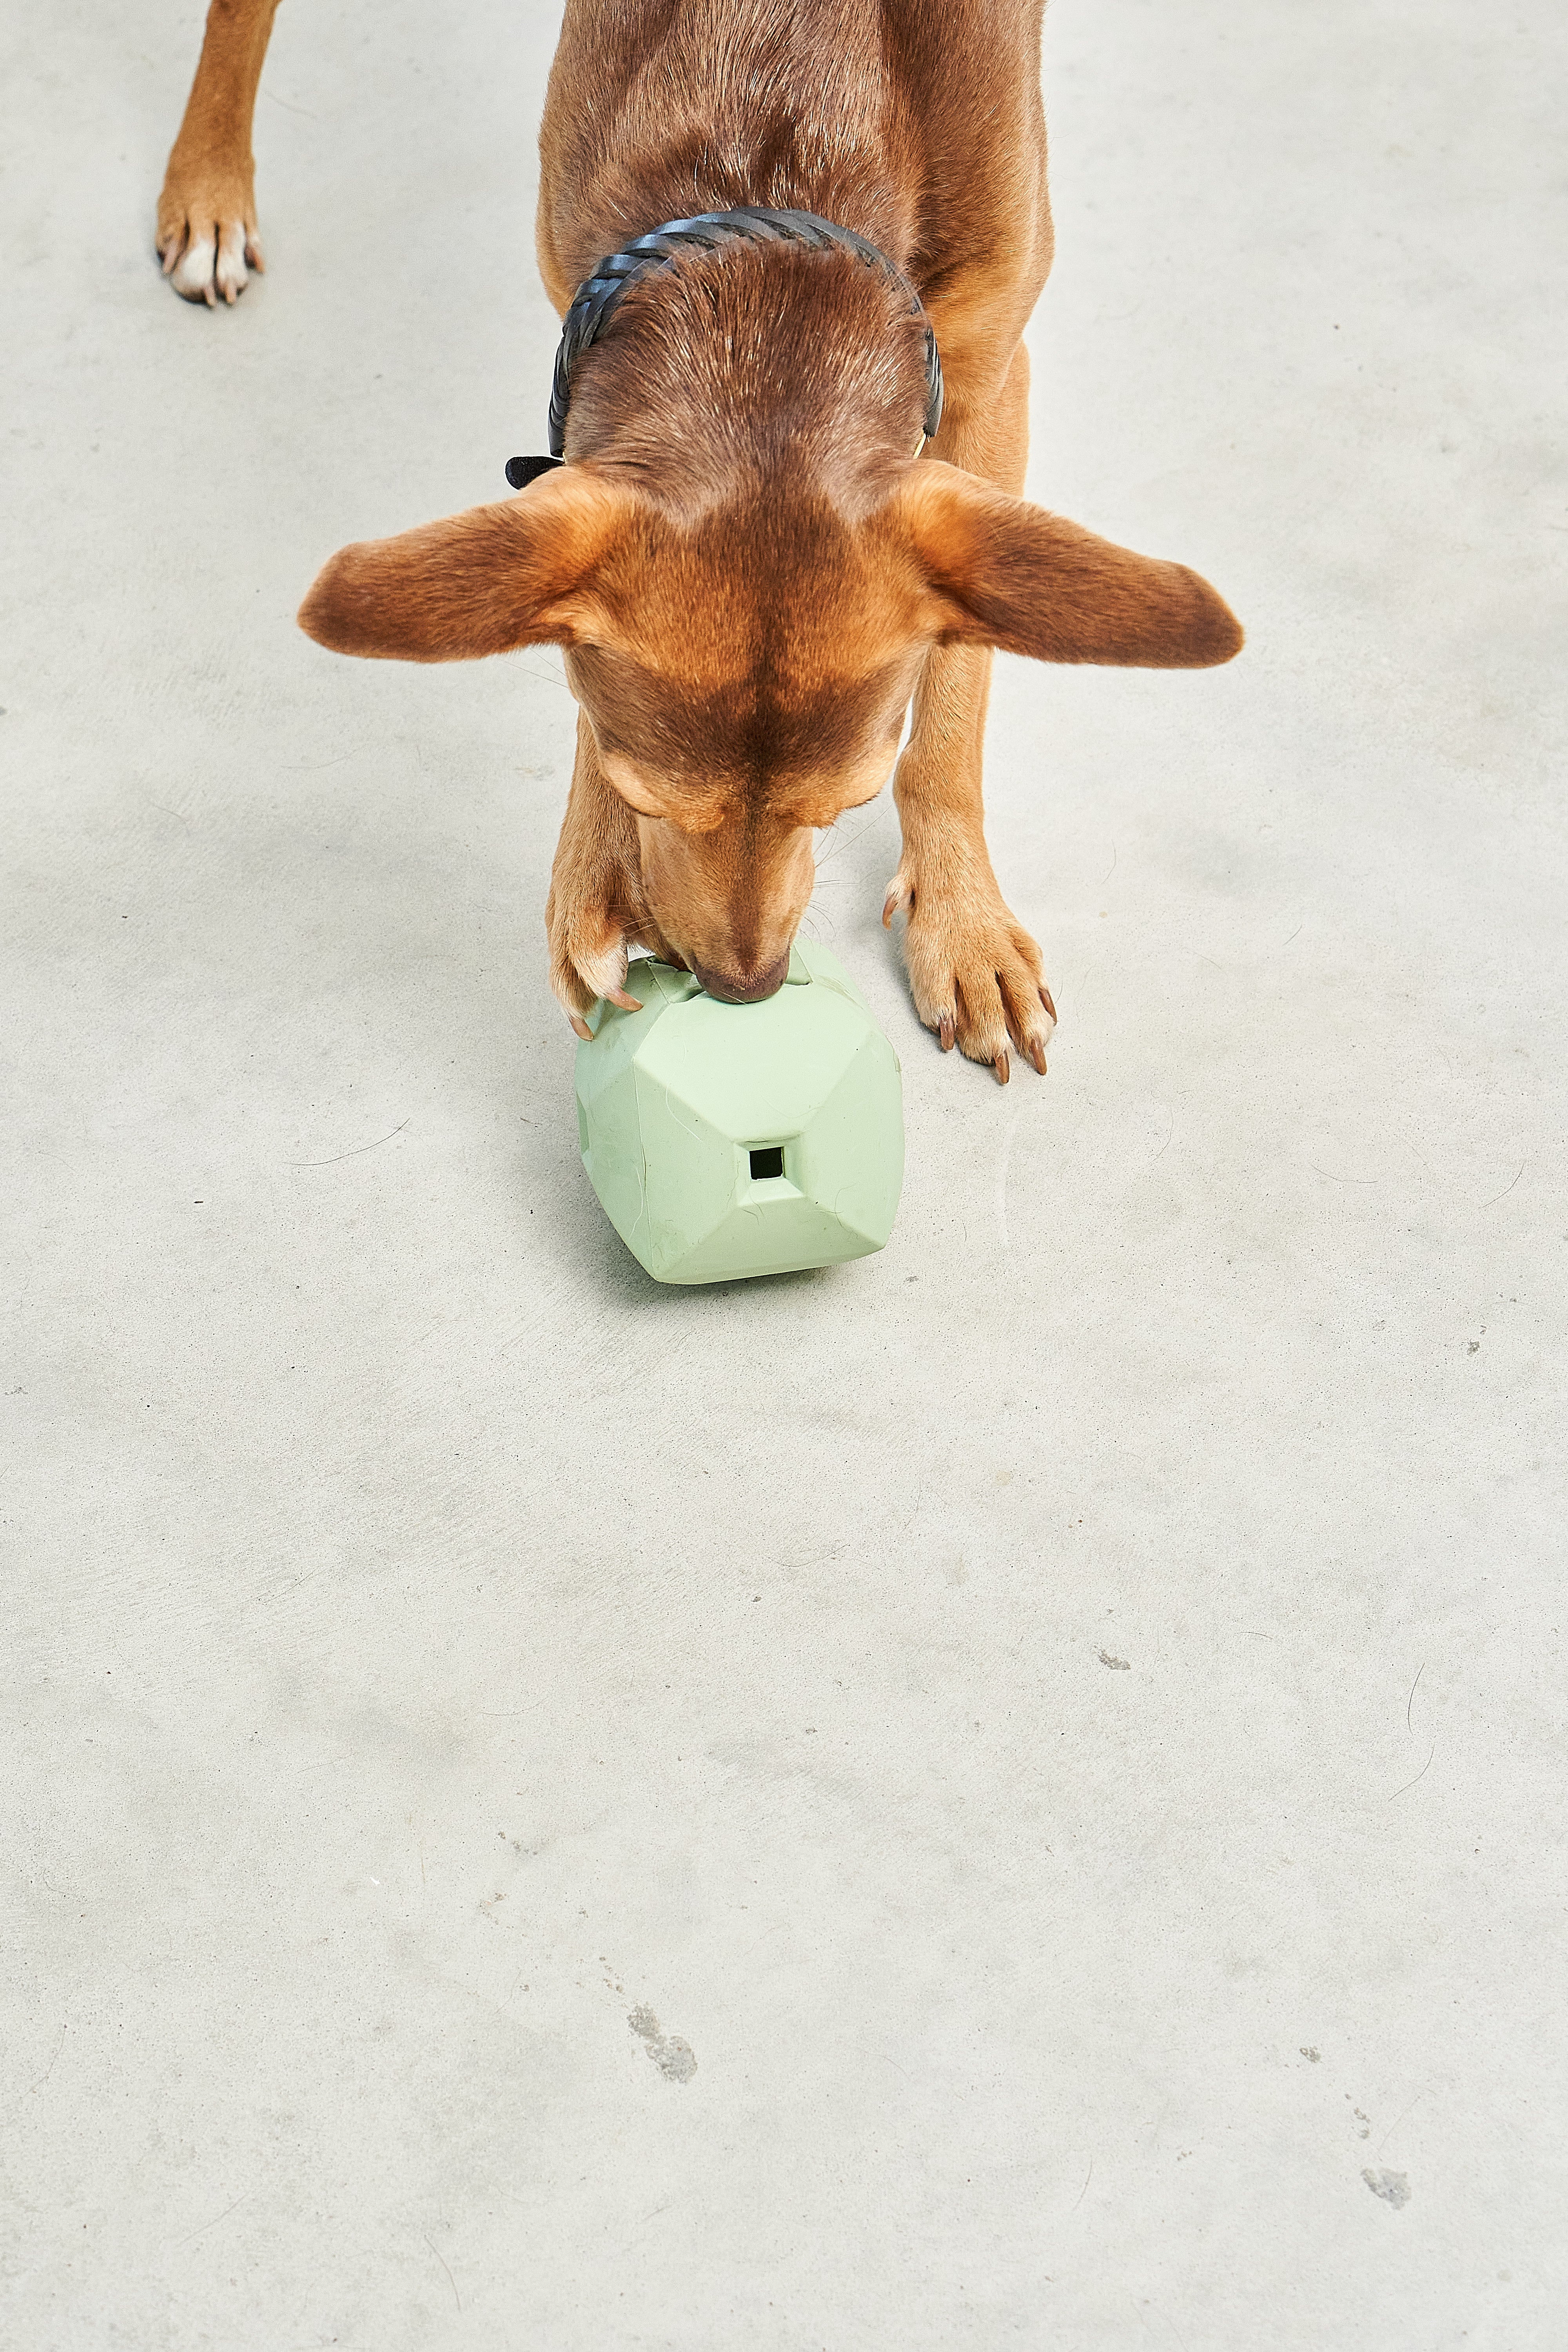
{"x": 595, "y": 299}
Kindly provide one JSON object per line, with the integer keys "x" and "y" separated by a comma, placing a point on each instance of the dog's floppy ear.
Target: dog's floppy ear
{"x": 509, "y": 574}
{"x": 1008, "y": 573}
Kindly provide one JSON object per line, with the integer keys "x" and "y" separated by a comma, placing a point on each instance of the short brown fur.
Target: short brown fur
{"x": 751, "y": 568}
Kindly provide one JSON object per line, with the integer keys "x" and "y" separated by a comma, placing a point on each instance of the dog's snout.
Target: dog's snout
{"x": 743, "y": 987}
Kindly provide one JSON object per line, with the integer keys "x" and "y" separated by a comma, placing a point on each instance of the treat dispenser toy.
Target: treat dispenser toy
{"x": 726, "y": 1140}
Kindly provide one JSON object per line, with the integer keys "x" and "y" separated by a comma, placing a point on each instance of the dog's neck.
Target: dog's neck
{"x": 763, "y": 371}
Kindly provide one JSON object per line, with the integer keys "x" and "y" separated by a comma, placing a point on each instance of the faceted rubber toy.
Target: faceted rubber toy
{"x": 726, "y": 1140}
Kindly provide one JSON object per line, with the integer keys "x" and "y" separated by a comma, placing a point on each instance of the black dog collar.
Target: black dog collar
{"x": 594, "y": 300}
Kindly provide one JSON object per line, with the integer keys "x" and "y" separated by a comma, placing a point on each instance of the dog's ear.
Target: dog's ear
{"x": 514, "y": 573}
{"x": 1008, "y": 573}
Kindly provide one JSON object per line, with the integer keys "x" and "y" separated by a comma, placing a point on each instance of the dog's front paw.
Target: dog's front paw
{"x": 592, "y": 931}
{"x": 207, "y": 238}
{"x": 974, "y": 973}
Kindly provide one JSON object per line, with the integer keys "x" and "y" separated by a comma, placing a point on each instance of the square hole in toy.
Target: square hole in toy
{"x": 768, "y": 1160}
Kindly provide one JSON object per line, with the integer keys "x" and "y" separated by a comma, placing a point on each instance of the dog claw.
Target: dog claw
{"x": 1037, "y": 1056}
{"x": 1046, "y": 1000}
{"x": 1004, "y": 1070}
{"x": 627, "y": 1004}
{"x": 579, "y": 1025}
{"x": 945, "y": 1032}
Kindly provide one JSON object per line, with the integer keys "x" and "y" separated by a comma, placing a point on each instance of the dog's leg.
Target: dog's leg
{"x": 206, "y": 213}
{"x": 595, "y": 909}
{"x": 974, "y": 973}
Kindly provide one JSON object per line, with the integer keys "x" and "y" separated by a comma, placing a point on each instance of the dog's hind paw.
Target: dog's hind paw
{"x": 207, "y": 238}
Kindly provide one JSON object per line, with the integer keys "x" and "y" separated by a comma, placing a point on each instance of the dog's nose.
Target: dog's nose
{"x": 742, "y": 988}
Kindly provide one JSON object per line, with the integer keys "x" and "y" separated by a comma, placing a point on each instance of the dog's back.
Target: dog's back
{"x": 919, "y": 125}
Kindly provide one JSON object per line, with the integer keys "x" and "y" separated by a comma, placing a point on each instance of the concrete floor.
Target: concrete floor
{"x": 1062, "y": 1722}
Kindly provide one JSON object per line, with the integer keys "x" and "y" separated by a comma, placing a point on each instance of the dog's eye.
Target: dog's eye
{"x": 626, "y": 780}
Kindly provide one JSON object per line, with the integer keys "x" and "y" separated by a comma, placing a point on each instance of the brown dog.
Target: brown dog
{"x": 752, "y": 562}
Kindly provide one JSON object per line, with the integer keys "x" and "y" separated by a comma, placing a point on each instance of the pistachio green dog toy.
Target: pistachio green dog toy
{"x": 734, "y": 1140}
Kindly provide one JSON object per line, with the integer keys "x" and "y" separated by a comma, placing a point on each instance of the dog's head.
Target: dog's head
{"x": 745, "y": 671}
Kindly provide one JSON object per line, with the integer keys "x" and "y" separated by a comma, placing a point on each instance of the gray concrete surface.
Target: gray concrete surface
{"x": 1011, "y": 1793}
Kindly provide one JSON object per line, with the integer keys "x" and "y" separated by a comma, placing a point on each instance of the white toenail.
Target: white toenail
{"x": 194, "y": 270}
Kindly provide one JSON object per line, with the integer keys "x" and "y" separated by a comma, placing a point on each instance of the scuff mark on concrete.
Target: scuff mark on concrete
{"x": 674, "y": 2057}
